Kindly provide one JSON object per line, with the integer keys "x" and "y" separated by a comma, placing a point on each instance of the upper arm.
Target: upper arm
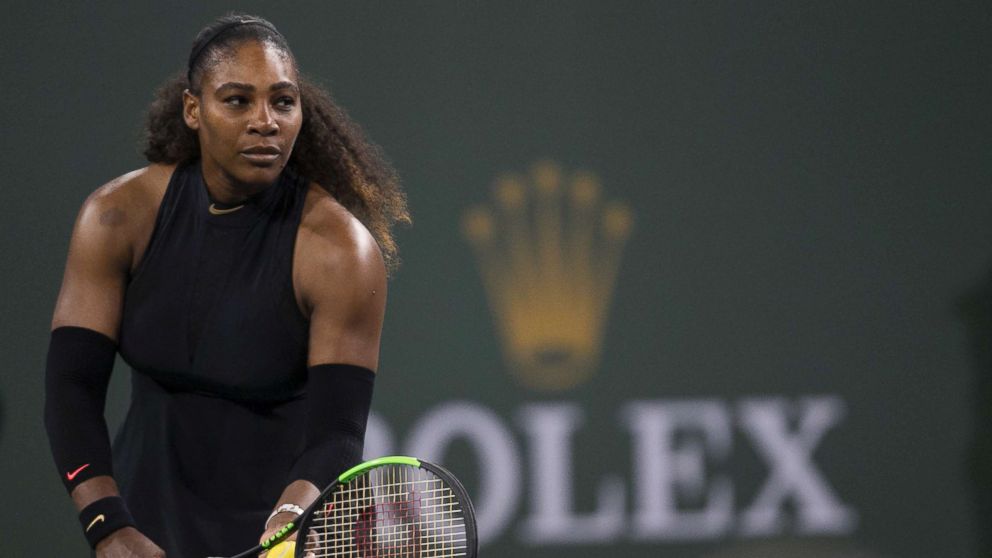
{"x": 97, "y": 266}
{"x": 343, "y": 281}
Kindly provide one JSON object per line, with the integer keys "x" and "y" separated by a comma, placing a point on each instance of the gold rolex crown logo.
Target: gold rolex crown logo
{"x": 549, "y": 251}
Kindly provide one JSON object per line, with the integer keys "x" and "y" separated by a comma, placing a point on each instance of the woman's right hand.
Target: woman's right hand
{"x": 128, "y": 543}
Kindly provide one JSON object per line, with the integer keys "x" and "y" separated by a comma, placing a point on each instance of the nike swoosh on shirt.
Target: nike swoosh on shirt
{"x": 73, "y": 474}
{"x": 95, "y": 521}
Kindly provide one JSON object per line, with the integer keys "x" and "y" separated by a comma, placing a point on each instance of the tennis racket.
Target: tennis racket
{"x": 396, "y": 507}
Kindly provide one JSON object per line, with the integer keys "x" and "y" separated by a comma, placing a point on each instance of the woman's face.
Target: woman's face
{"x": 247, "y": 117}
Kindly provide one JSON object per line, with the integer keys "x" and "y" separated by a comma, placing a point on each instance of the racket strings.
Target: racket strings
{"x": 375, "y": 534}
{"x": 389, "y": 512}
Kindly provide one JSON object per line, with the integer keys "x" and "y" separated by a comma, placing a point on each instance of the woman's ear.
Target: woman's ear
{"x": 191, "y": 110}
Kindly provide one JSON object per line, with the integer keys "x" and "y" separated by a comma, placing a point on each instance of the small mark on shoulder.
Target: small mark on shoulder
{"x": 113, "y": 217}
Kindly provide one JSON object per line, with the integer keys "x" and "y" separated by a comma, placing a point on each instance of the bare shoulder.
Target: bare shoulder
{"x": 335, "y": 254}
{"x": 331, "y": 234}
{"x": 135, "y": 189}
{"x": 123, "y": 210}
{"x": 340, "y": 279}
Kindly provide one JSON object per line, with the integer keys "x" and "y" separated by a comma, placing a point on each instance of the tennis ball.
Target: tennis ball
{"x": 285, "y": 549}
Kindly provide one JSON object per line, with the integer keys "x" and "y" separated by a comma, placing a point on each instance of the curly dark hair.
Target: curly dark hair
{"x": 331, "y": 149}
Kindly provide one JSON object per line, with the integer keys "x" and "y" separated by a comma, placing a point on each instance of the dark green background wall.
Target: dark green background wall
{"x": 810, "y": 186}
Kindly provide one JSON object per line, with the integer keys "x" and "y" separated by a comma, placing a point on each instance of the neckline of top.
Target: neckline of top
{"x": 242, "y": 215}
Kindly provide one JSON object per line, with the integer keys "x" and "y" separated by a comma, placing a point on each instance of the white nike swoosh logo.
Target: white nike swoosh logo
{"x": 96, "y": 520}
{"x": 214, "y": 210}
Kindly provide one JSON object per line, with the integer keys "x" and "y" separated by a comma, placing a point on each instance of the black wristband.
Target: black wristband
{"x": 103, "y": 517}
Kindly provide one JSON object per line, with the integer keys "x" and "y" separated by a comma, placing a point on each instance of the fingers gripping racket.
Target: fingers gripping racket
{"x": 397, "y": 507}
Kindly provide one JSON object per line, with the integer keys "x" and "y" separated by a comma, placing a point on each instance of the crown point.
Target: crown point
{"x": 585, "y": 188}
{"x": 547, "y": 176}
{"x": 510, "y": 191}
{"x": 618, "y": 220}
{"x": 478, "y": 225}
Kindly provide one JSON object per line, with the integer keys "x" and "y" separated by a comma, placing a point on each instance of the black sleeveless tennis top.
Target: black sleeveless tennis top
{"x": 218, "y": 348}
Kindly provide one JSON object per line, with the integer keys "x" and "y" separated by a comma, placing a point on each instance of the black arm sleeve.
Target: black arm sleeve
{"x": 338, "y": 400}
{"x": 78, "y": 370}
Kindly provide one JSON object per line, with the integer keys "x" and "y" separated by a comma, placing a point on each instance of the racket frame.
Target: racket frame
{"x": 467, "y": 509}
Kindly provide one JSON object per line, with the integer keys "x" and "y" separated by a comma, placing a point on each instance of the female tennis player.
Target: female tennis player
{"x": 242, "y": 276}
